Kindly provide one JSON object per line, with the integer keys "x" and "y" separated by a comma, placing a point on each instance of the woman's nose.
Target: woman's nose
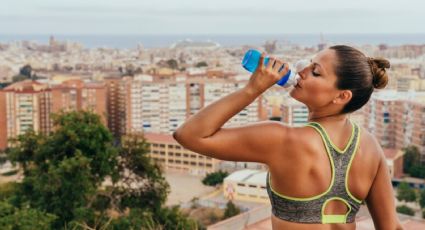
{"x": 304, "y": 72}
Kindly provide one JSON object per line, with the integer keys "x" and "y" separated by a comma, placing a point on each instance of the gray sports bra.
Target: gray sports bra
{"x": 311, "y": 210}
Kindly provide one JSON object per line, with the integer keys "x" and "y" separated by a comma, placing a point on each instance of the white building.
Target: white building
{"x": 247, "y": 184}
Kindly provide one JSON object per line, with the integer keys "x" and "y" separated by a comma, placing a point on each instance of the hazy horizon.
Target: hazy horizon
{"x": 127, "y": 17}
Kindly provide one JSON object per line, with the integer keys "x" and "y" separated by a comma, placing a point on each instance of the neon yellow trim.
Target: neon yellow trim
{"x": 317, "y": 196}
{"x": 335, "y": 219}
{"x": 330, "y": 141}
{"x": 349, "y": 166}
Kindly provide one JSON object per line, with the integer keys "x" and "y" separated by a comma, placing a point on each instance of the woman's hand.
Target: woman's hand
{"x": 266, "y": 76}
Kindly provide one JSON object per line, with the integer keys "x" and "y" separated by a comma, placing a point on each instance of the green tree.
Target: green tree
{"x": 19, "y": 77}
{"x": 7, "y": 190}
{"x": 214, "y": 178}
{"x": 231, "y": 210}
{"x": 417, "y": 171}
{"x": 65, "y": 173}
{"x": 173, "y": 64}
{"x": 135, "y": 166}
{"x": 201, "y": 64}
{"x": 422, "y": 198}
{"x": 23, "y": 219}
{"x": 411, "y": 157}
{"x": 63, "y": 170}
{"x": 405, "y": 192}
{"x": 26, "y": 70}
{"x": 405, "y": 210}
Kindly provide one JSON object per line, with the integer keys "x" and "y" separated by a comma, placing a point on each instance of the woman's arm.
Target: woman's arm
{"x": 203, "y": 132}
{"x": 380, "y": 200}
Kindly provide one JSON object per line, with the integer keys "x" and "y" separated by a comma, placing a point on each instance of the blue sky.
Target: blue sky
{"x": 211, "y": 17}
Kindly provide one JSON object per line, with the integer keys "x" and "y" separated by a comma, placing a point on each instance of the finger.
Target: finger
{"x": 284, "y": 68}
{"x": 261, "y": 61}
{"x": 278, "y": 65}
{"x": 271, "y": 63}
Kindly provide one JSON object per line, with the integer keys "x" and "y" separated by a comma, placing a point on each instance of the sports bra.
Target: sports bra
{"x": 311, "y": 210}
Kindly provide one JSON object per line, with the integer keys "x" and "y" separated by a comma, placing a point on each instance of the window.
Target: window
{"x": 241, "y": 185}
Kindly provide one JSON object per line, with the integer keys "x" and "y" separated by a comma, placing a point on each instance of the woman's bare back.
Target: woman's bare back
{"x": 304, "y": 170}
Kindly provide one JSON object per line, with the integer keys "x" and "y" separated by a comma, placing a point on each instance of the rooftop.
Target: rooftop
{"x": 250, "y": 176}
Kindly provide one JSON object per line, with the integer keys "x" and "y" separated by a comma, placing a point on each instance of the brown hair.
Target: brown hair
{"x": 359, "y": 74}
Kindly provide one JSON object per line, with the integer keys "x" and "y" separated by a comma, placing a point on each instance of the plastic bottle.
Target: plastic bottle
{"x": 250, "y": 63}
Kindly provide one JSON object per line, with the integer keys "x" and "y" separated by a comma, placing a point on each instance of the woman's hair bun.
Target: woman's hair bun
{"x": 378, "y": 67}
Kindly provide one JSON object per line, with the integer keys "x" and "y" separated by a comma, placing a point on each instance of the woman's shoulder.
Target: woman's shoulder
{"x": 369, "y": 143}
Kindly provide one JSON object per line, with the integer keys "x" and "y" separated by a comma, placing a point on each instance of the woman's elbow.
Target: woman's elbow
{"x": 177, "y": 135}
{"x": 182, "y": 137}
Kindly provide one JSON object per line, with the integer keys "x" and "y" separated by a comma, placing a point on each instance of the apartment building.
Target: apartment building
{"x": 29, "y": 104}
{"x": 172, "y": 156}
{"x": 24, "y": 106}
{"x": 78, "y": 95}
{"x": 151, "y": 104}
{"x": 397, "y": 119}
{"x": 294, "y": 113}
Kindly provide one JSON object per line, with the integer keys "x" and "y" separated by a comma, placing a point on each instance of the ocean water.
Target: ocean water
{"x": 155, "y": 41}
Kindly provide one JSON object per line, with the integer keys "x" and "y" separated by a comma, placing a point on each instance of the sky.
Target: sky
{"x": 122, "y": 17}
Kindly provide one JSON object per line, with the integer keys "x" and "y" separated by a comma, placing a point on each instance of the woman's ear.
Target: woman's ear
{"x": 343, "y": 97}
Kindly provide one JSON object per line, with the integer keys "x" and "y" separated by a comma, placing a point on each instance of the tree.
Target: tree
{"x": 65, "y": 173}
{"x": 19, "y": 77}
{"x": 173, "y": 64}
{"x": 411, "y": 157}
{"x": 422, "y": 198}
{"x": 136, "y": 166}
{"x": 231, "y": 210}
{"x": 26, "y": 70}
{"x": 63, "y": 170}
{"x": 417, "y": 171}
{"x": 23, "y": 219}
{"x": 405, "y": 210}
{"x": 215, "y": 178}
{"x": 201, "y": 64}
{"x": 405, "y": 192}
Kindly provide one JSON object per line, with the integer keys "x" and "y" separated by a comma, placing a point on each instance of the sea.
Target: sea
{"x": 225, "y": 40}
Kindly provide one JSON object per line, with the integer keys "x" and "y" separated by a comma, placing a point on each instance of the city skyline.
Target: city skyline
{"x": 199, "y": 17}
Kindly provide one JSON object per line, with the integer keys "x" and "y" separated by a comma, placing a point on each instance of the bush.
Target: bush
{"x": 214, "y": 178}
{"x": 405, "y": 210}
{"x": 405, "y": 192}
{"x": 10, "y": 173}
{"x": 231, "y": 210}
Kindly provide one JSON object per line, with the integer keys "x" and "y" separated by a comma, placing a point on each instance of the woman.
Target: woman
{"x": 319, "y": 174}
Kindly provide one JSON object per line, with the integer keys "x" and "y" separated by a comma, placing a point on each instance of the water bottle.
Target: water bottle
{"x": 250, "y": 63}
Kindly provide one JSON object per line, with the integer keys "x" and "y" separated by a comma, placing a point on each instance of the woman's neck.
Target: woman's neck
{"x": 324, "y": 117}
